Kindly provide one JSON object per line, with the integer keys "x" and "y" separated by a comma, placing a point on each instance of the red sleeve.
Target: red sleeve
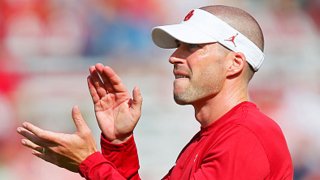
{"x": 124, "y": 157}
{"x": 96, "y": 167}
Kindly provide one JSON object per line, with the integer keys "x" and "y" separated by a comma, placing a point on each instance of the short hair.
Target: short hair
{"x": 240, "y": 20}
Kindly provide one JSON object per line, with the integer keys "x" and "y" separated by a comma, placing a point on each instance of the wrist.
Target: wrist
{"x": 117, "y": 140}
{"x": 107, "y": 147}
{"x": 121, "y": 140}
{"x": 86, "y": 154}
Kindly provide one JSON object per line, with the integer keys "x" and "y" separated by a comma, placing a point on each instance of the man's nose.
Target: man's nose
{"x": 175, "y": 58}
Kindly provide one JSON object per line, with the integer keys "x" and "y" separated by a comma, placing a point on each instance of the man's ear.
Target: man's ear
{"x": 236, "y": 64}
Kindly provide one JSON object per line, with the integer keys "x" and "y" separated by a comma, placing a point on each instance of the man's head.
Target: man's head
{"x": 215, "y": 45}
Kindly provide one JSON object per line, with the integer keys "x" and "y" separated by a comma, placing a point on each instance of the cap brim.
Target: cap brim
{"x": 166, "y": 36}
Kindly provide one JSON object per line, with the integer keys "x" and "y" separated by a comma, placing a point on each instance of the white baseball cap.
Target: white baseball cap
{"x": 200, "y": 27}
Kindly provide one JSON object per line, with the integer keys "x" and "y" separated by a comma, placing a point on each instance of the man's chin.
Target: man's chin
{"x": 180, "y": 100}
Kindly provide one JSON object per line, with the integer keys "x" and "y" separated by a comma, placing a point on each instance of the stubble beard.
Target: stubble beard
{"x": 198, "y": 91}
{"x": 192, "y": 94}
{"x": 183, "y": 98}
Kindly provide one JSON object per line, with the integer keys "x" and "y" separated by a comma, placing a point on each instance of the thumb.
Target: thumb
{"x": 78, "y": 120}
{"x": 136, "y": 101}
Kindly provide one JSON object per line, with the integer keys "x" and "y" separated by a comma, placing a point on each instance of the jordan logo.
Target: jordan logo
{"x": 188, "y": 16}
{"x": 231, "y": 39}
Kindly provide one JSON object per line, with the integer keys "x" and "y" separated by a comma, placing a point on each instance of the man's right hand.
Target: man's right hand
{"x": 116, "y": 112}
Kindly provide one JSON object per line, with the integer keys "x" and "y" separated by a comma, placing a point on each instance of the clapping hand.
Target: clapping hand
{"x": 64, "y": 150}
{"x": 116, "y": 112}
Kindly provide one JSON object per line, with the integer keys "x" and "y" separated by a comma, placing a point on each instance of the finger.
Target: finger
{"x": 38, "y": 153}
{"x": 40, "y": 133}
{"x": 32, "y": 145}
{"x": 113, "y": 78}
{"x": 78, "y": 120}
{"x": 30, "y": 136}
{"x": 137, "y": 98}
{"x": 97, "y": 83}
{"x": 137, "y": 101}
{"x": 92, "y": 90}
{"x": 50, "y": 157}
{"x": 44, "y": 157}
{"x": 99, "y": 67}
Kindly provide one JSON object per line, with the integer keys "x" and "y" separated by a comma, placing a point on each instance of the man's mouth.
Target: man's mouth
{"x": 180, "y": 76}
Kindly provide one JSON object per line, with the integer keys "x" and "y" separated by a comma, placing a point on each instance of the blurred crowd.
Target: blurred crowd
{"x": 46, "y": 47}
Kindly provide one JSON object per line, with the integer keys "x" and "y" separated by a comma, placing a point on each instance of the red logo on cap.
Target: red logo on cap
{"x": 188, "y": 16}
{"x": 231, "y": 39}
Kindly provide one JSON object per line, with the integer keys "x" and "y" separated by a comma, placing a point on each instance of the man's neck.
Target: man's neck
{"x": 209, "y": 110}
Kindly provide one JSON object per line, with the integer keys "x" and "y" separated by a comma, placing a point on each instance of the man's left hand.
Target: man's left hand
{"x": 64, "y": 150}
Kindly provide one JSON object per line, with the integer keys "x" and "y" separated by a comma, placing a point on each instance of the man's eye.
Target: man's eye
{"x": 193, "y": 46}
{"x": 178, "y": 43}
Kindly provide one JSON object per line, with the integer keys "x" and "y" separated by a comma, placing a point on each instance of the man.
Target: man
{"x": 219, "y": 48}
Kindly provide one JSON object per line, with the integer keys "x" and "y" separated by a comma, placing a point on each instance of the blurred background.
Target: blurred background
{"x": 47, "y": 46}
